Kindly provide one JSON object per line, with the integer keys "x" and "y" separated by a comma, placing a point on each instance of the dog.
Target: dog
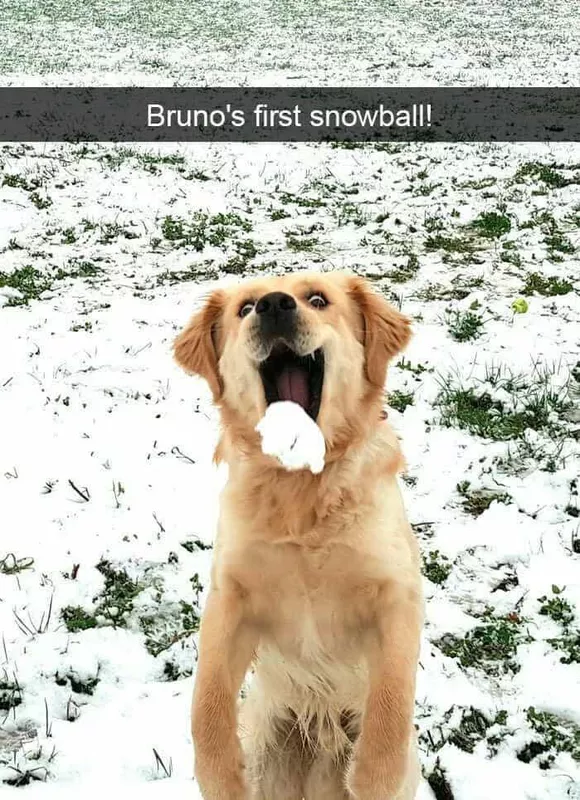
{"x": 315, "y": 585}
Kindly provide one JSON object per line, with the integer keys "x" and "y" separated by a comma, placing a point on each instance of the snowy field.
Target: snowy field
{"x": 107, "y": 492}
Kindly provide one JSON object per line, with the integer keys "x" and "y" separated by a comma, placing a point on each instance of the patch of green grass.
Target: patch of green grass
{"x": 435, "y": 291}
{"x": 278, "y": 214}
{"x": 380, "y": 243}
{"x": 19, "y": 182}
{"x": 573, "y": 218}
{"x": 491, "y": 646}
{"x": 114, "y": 604}
{"x": 350, "y": 214}
{"x": 545, "y": 173}
{"x": 482, "y": 183}
{"x": 110, "y": 231}
{"x": 553, "y": 735}
{"x": 77, "y": 619}
{"x": 164, "y": 630}
{"x": 476, "y": 501}
{"x": 510, "y": 256}
{"x": 40, "y": 202}
{"x": 328, "y": 188}
{"x": 451, "y": 244}
{"x": 348, "y": 144}
{"x": 195, "y": 272}
{"x": 78, "y": 268}
{"x": 569, "y": 644}
{"x": 433, "y": 224}
{"x": 557, "y": 243}
{"x": 118, "y": 156}
{"x": 81, "y": 326}
{"x": 202, "y": 230}
{"x": 557, "y": 607}
{"x": 193, "y": 545}
{"x": 467, "y": 283}
{"x": 536, "y": 283}
{"x": 425, "y": 189}
{"x": 69, "y": 236}
{"x": 401, "y": 400}
{"x": 560, "y": 610}
{"x": 463, "y": 326}
{"x": 236, "y": 265}
{"x": 30, "y": 282}
{"x": 436, "y": 567}
{"x": 151, "y": 163}
{"x": 416, "y": 370}
{"x": 163, "y": 623}
{"x": 478, "y": 413}
{"x": 10, "y": 692}
{"x": 301, "y": 244}
{"x": 539, "y": 219}
{"x": 173, "y": 671}
{"x": 491, "y": 224}
{"x": 534, "y": 406}
{"x": 229, "y": 220}
{"x": 116, "y": 601}
{"x": 509, "y": 581}
{"x": 501, "y": 377}
{"x": 175, "y": 229}
{"x": 302, "y": 202}
{"x": 78, "y": 684}
{"x": 472, "y": 728}
{"x": 406, "y": 272}
{"x": 246, "y": 249}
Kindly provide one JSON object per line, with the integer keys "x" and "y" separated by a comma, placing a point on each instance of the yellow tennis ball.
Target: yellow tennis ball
{"x": 520, "y": 306}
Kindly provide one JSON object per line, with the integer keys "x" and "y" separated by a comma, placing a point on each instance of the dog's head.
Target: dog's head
{"x": 320, "y": 340}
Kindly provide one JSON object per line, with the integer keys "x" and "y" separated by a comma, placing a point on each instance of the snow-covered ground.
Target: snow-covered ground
{"x": 107, "y": 492}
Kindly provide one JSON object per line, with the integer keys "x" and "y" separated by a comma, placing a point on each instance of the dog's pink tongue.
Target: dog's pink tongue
{"x": 293, "y": 385}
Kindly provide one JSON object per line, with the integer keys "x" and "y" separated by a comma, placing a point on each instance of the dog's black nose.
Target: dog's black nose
{"x": 277, "y": 314}
{"x": 276, "y": 304}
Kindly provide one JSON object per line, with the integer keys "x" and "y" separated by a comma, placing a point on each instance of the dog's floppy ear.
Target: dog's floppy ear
{"x": 386, "y": 331}
{"x": 195, "y": 347}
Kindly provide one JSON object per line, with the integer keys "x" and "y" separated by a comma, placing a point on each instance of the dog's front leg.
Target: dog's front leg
{"x": 225, "y": 651}
{"x": 383, "y": 756}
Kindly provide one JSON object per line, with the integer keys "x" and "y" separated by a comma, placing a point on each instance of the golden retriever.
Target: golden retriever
{"x": 315, "y": 582}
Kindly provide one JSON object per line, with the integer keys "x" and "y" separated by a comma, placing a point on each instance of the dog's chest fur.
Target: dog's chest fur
{"x": 308, "y": 600}
{"x": 311, "y": 557}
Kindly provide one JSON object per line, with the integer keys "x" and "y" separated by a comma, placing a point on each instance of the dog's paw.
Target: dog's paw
{"x": 292, "y": 437}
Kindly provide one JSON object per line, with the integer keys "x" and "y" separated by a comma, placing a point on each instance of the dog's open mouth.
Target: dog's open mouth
{"x": 299, "y": 379}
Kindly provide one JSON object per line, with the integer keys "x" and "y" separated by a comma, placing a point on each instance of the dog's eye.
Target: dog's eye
{"x": 318, "y": 300}
{"x": 246, "y": 309}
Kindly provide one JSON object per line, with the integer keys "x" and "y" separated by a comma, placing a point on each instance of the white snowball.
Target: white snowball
{"x": 291, "y": 436}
